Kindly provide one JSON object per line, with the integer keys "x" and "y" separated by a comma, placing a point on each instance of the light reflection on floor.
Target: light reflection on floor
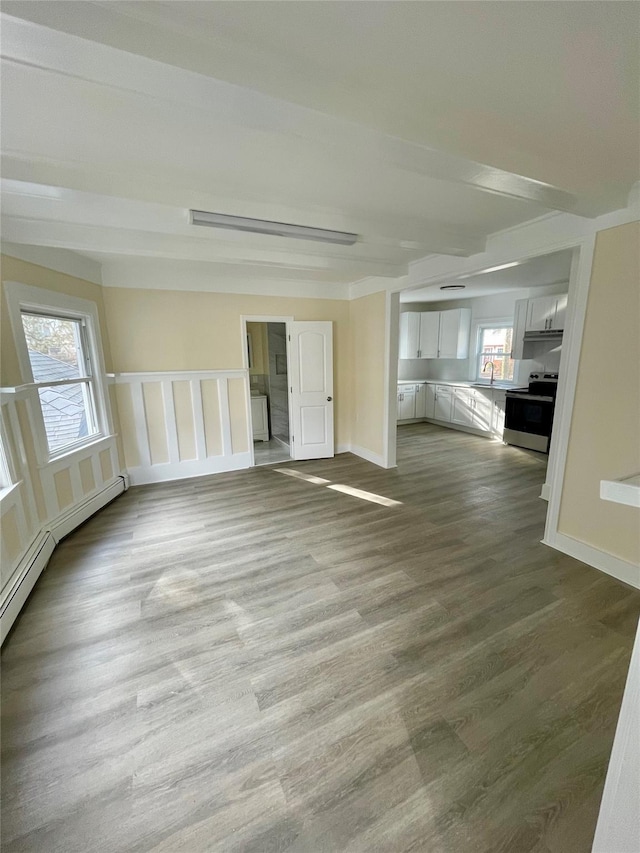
{"x": 339, "y": 487}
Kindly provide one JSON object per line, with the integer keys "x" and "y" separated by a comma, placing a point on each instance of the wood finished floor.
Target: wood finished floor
{"x": 252, "y": 662}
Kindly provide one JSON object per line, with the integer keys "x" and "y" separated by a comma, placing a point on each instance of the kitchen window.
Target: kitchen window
{"x": 494, "y": 347}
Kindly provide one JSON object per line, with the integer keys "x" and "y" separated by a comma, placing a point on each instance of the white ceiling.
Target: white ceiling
{"x": 536, "y": 272}
{"x": 422, "y": 126}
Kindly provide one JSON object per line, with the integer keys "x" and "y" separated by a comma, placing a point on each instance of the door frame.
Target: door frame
{"x": 262, "y": 318}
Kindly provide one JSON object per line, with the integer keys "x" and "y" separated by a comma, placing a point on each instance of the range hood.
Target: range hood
{"x": 543, "y": 335}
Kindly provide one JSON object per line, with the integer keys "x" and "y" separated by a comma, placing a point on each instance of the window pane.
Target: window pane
{"x": 54, "y": 347}
{"x": 68, "y": 413}
{"x": 495, "y": 348}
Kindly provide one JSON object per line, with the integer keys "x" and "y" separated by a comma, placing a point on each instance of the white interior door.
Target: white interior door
{"x": 311, "y": 370}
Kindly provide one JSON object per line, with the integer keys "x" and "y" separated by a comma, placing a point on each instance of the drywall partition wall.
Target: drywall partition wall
{"x": 605, "y": 427}
{"x": 368, "y": 328}
{"x": 44, "y": 501}
{"x": 171, "y": 331}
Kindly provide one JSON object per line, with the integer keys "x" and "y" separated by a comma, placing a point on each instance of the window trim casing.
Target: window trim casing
{"x": 24, "y": 297}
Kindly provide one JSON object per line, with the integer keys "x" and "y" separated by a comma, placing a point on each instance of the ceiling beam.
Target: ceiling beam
{"x": 30, "y": 44}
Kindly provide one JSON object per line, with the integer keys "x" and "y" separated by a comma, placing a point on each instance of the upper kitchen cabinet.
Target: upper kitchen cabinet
{"x": 453, "y": 339}
{"x": 429, "y": 334}
{"x": 409, "y": 346}
{"x": 435, "y": 334}
{"x": 519, "y": 328}
{"x": 546, "y": 313}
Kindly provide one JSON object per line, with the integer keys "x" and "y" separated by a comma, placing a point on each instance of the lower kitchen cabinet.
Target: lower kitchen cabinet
{"x": 443, "y": 402}
{"x": 406, "y": 402}
{"x": 482, "y": 409}
{"x": 479, "y": 409}
{"x": 498, "y": 409}
{"x": 462, "y": 407}
{"x": 421, "y": 401}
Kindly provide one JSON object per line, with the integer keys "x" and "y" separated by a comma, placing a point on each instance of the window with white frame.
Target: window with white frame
{"x": 63, "y": 373}
{"x": 494, "y": 352}
{"x": 59, "y": 349}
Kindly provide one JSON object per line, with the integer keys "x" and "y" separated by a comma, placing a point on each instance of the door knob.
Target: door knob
{"x": 329, "y": 399}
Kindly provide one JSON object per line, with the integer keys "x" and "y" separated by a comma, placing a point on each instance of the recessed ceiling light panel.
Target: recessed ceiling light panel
{"x": 275, "y": 229}
{"x": 453, "y": 287}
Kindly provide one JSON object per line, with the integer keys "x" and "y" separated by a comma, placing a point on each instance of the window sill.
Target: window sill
{"x": 6, "y": 491}
{"x": 68, "y": 453}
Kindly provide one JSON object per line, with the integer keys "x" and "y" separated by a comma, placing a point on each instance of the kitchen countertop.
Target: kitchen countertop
{"x": 460, "y": 384}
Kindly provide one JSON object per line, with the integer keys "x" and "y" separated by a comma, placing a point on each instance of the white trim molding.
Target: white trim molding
{"x": 624, "y": 491}
{"x": 36, "y": 557}
{"x": 618, "y": 568}
{"x": 152, "y": 440}
{"x": 60, "y": 260}
{"x": 25, "y": 297}
{"x": 618, "y": 827}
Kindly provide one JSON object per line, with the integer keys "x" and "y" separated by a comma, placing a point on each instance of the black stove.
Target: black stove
{"x": 529, "y": 412}
{"x": 541, "y": 385}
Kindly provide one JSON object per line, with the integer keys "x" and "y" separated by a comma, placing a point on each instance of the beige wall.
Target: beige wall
{"x": 44, "y": 491}
{"x": 13, "y": 269}
{"x": 154, "y": 330}
{"x": 368, "y": 321}
{"x": 604, "y": 442}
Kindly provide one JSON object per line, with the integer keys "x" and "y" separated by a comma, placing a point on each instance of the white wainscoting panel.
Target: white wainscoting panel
{"x": 146, "y": 440}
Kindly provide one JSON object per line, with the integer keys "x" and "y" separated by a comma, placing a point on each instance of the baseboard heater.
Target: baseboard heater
{"x": 39, "y": 552}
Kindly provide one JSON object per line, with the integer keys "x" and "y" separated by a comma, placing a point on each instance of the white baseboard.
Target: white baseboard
{"x": 620, "y": 569}
{"x": 37, "y": 556}
{"x": 29, "y": 570}
{"x": 364, "y": 453}
{"x": 68, "y": 521}
{"x": 165, "y": 472}
{"x": 545, "y": 494}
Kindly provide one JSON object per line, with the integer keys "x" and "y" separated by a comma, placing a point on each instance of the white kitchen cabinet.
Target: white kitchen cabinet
{"x": 259, "y": 419}
{"x": 462, "y": 406}
{"x": 421, "y": 401}
{"x": 519, "y": 328}
{"x": 482, "y": 409}
{"x": 406, "y": 402}
{"x": 546, "y": 312}
{"x": 453, "y": 340}
{"x": 409, "y": 343}
{"x": 497, "y": 420}
{"x": 561, "y": 311}
{"x": 435, "y": 334}
{"x": 443, "y": 403}
{"x": 430, "y": 401}
{"x": 472, "y": 407}
{"x": 429, "y": 334}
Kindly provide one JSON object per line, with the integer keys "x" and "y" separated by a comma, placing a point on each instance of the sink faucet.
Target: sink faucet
{"x": 493, "y": 367}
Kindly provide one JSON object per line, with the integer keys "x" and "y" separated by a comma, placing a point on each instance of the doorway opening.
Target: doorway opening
{"x": 269, "y": 389}
{"x": 486, "y": 359}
